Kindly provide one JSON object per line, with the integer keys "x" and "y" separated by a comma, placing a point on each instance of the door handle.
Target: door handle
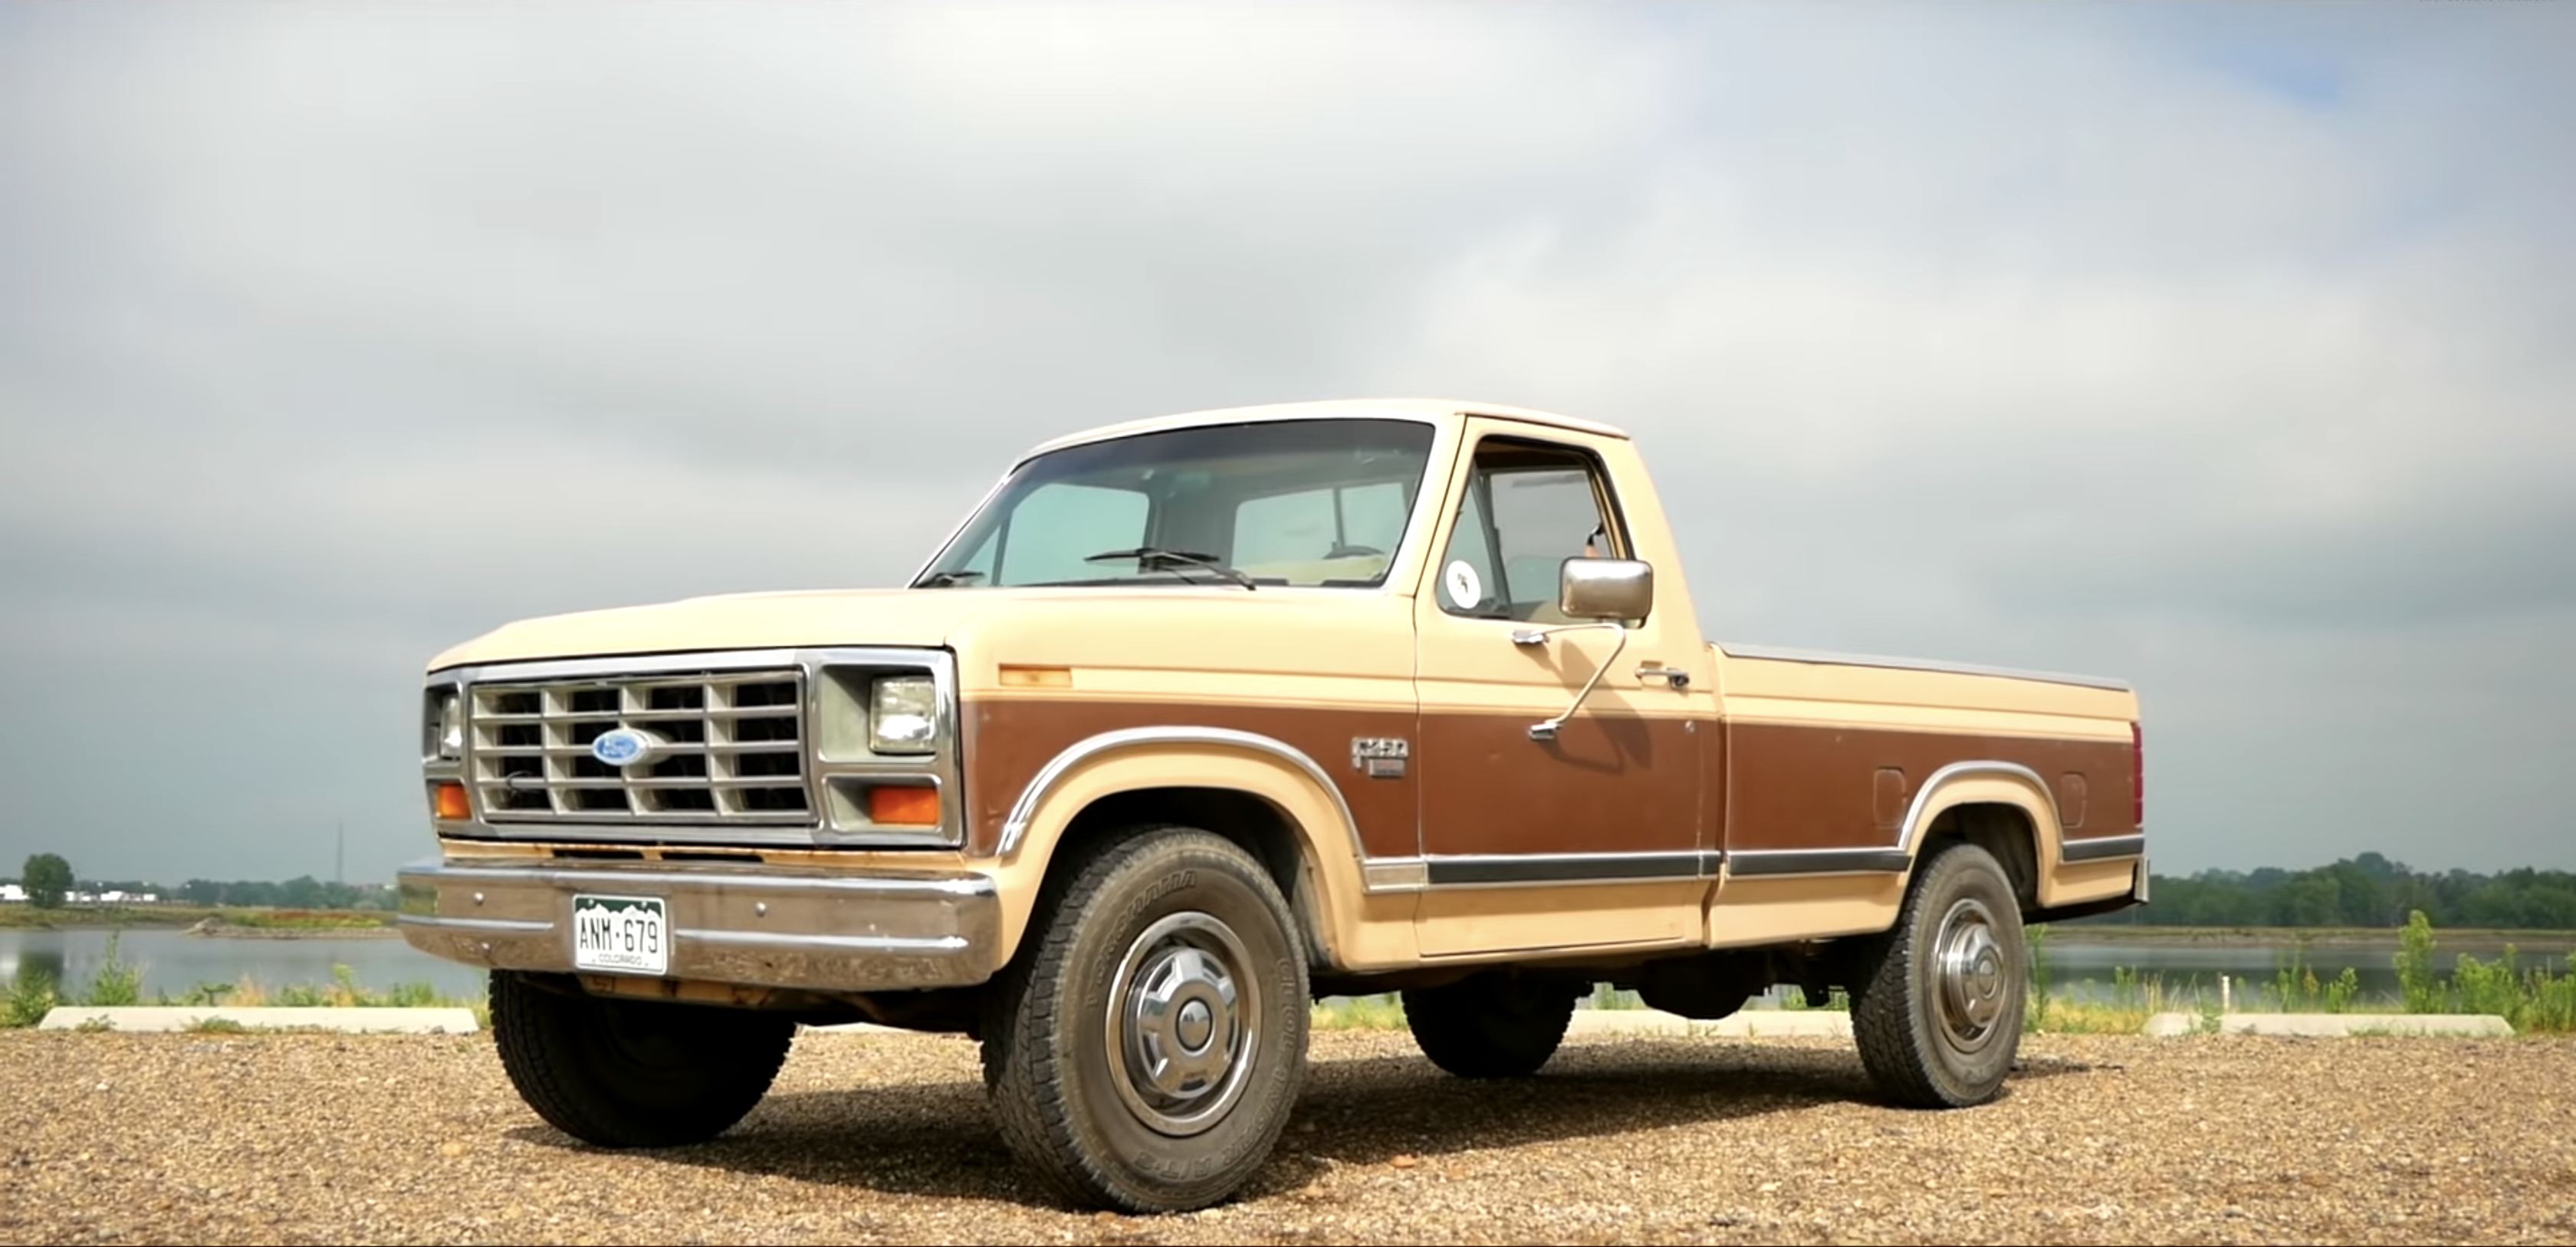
{"x": 1673, "y": 677}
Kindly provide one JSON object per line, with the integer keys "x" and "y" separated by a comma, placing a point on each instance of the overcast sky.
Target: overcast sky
{"x": 2221, "y": 348}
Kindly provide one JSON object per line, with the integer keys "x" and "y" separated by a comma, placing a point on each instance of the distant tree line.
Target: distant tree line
{"x": 2364, "y": 891}
{"x": 48, "y": 881}
{"x": 300, "y": 892}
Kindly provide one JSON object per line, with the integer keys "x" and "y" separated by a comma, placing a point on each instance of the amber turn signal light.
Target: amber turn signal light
{"x": 903, "y": 806}
{"x": 451, "y": 803}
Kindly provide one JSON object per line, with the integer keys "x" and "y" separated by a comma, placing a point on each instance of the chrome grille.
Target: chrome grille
{"x": 726, "y": 745}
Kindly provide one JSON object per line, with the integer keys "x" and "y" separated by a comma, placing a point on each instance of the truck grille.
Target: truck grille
{"x": 728, "y": 745}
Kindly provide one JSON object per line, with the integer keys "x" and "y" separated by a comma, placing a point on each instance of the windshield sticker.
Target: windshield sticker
{"x": 1465, "y": 589}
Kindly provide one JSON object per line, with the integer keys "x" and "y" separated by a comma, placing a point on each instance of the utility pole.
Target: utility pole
{"x": 340, "y": 851}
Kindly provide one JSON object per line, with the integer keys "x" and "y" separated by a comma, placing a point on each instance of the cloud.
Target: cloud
{"x": 2219, "y": 349}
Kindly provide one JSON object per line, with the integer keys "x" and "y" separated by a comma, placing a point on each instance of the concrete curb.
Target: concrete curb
{"x": 2334, "y": 1025}
{"x": 1752, "y": 1023}
{"x": 1748, "y": 1024}
{"x": 154, "y": 1018}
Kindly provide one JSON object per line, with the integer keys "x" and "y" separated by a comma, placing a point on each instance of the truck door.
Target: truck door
{"x": 1614, "y": 796}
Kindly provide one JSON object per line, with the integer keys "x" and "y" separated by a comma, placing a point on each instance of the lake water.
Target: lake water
{"x": 176, "y": 964}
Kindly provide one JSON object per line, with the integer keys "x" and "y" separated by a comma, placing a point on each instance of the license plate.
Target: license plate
{"x": 626, "y": 934}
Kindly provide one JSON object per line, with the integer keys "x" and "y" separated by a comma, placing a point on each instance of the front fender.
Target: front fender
{"x": 1140, "y": 760}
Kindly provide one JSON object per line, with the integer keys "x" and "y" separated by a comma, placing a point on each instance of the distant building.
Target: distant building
{"x": 112, "y": 897}
{"x": 10, "y": 892}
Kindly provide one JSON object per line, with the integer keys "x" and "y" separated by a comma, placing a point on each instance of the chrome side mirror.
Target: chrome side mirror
{"x": 1609, "y": 593}
{"x": 1605, "y": 588}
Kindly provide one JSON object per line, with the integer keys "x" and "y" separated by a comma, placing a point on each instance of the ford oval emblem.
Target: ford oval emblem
{"x": 621, "y": 746}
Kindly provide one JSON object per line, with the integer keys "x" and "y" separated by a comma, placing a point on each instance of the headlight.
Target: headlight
{"x": 444, "y": 726}
{"x": 903, "y": 715}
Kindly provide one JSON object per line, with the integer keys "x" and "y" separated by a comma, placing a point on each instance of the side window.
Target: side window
{"x": 1528, "y": 508}
{"x": 1052, "y": 530}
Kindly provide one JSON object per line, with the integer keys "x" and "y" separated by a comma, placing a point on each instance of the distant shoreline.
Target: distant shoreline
{"x": 2533, "y": 940}
{"x": 231, "y": 932}
{"x": 206, "y": 921}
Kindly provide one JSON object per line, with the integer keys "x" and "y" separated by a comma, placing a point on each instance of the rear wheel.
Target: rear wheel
{"x": 1145, "y": 1047}
{"x": 634, "y": 1073}
{"x": 1939, "y": 1018}
{"x": 1491, "y": 1024}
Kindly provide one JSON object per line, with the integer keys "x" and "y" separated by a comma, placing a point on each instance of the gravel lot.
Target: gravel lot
{"x": 883, "y": 1138}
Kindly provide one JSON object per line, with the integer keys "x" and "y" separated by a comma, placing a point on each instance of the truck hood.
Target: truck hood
{"x": 730, "y": 621}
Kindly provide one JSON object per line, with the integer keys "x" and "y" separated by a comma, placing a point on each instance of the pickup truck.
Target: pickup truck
{"x": 1194, "y": 721}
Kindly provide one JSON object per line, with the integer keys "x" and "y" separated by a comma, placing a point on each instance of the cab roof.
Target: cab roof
{"x": 1432, "y": 409}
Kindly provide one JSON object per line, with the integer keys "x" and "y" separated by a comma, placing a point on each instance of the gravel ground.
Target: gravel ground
{"x": 884, "y": 1138}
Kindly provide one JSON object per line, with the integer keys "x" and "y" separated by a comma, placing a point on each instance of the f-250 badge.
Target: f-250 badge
{"x": 1381, "y": 757}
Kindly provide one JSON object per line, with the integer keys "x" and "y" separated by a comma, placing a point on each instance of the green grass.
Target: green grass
{"x": 306, "y": 919}
{"x": 1381, "y": 1012}
{"x": 2534, "y": 999}
{"x": 80, "y": 917}
{"x": 2103, "y": 933}
{"x": 91, "y": 917}
{"x": 116, "y": 983}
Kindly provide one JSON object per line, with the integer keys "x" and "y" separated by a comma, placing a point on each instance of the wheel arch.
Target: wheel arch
{"x": 1261, "y": 793}
{"x": 2002, "y": 807}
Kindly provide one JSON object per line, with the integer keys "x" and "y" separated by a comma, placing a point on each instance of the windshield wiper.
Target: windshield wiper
{"x": 1156, "y": 558}
{"x": 942, "y": 580}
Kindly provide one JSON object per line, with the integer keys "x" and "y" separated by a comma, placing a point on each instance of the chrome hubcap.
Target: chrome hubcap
{"x": 1973, "y": 984}
{"x": 1181, "y": 1023}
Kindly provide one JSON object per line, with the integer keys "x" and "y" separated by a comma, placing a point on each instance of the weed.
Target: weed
{"x": 2037, "y": 1012}
{"x": 2422, "y": 992}
{"x": 116, "y": 983}
{"x": 1384, "y": 1011}
{"x": 207, "y": 994}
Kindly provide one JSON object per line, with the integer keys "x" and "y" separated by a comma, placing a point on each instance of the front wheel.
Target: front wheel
{"x": 1145, "y": 1048}
{"x": 1939, "y": 1017}
{"x": 634, "y": 1073}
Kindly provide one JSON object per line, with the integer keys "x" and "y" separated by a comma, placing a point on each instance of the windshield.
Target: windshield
{"x": 1309, "y": 503}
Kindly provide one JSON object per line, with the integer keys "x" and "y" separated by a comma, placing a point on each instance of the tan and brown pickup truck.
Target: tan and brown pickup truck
{"x": 1196, "y": 720}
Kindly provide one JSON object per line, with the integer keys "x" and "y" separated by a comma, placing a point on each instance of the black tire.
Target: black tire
{"x": 1492, "y": 1024}
{"x": 1938, "y": 1015}
{"x": 634, "y": 1073}
{"x": 1089, "y": 1033}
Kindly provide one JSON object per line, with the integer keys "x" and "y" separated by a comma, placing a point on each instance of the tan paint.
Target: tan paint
{"x": 1439, "y": 411}
{"x": 2069, "y": 883}
{"x": 733, "y": 621}
{"x": 1761, "y": 910}
{"x": 1808, "y": 689}
{"x": 1490, "y": 923}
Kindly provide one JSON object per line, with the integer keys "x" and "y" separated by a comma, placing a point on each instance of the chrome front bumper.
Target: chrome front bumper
{"x": 728, "y": 924}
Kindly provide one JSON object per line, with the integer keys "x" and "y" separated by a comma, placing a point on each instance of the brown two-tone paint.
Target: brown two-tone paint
{"x": 1009, "y": 740}
{"x": 1606, "y": 784}
{"x": 1800, "y": 788}
{"x": 1475, "y": 783}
